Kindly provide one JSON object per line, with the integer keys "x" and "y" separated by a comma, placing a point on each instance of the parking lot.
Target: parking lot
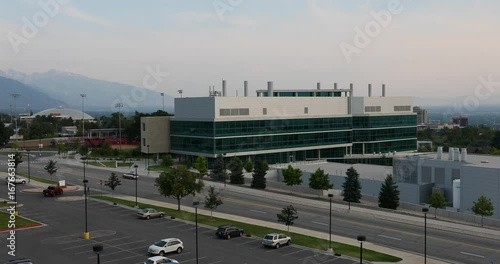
{"x": 126, "y": 238}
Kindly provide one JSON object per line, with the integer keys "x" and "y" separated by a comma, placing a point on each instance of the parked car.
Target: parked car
{"x": 20, "y": 261}
{"x": 160, "y": 259}
{"x": 166, "y": 245}
{"x": 276, "y": 240}
{"x": 150, "y": 213}
{"x": 53, "y": 191}
{"x": 16, "y": 180}
{"x": 228, "y": 232}
{"x": 131, "y": 176}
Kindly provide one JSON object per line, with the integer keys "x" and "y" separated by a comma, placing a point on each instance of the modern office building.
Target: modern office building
{"x": 462, "y": 121}
{"x": 288, "y": 125}
{"x": 422, "y": 118}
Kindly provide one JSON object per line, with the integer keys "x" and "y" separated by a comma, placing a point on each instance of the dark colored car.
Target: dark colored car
{"x": 20, "y": 261}
{"x": 53, "y": 191}
{"x": 228, "y": 232}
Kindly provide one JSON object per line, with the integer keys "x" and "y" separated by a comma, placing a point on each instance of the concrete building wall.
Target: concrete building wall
{"x": 477, "y": 181}
{"x": 386, "y": 104}
{"x": 155, "y": 132}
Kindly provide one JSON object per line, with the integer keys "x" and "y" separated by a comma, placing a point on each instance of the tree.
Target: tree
{"x": 437, "y": 200}
{"x": 178, "y": 183}
{"x": 259, "y": 174}
{"x": 319, "y": 180}
{"x": 483, "y": 207}
{"x": 201, "y": 166}
{"x": 5, "y": 133}
{"x": 113, "y": 182}
{"x": 219, "y": 172}
{"x": 495, "y": 141}
{"x": 287, "y": 216}
{"x": 213, "y": 199}
{"x": 167, "y": 160}
{"x": 51, "y": 167}
{"x": 292, "y": 176}
{"x": 18, "y": 158}
{"x": 388, "y": 196}
{"x": 352, "y": 187}
{"x": 249, "y": 166}
{"x": 236, "y": 168}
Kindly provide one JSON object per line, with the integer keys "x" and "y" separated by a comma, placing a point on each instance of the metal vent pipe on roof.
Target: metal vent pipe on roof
{"x": 245, "y": 87}
{"x": 370, "y": 90}
{"x": 223, "y": 87}
{"x": 450, "y": 153}
{"x": 270, "y": 89}
{"x": 335, "y": 86}
{"x": 383, "y": 90}
{"x": 457, "y": 154}
{"x": 464, "y": 154}
{"x": 318, "y": 85}
{"x": 440, "y": 153}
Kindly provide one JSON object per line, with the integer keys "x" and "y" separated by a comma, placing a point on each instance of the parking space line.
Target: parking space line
{"x": 109, "y": 261}
{"x": 187, "y": 229}
{"x": 215, "y": 262}
{"x": 189, "y": 260}
{"x": 328, "y": 260}
{"x": 130, "y": 242}
{"x": 293, "y": 252}
{"x": 86, "y": 245}
{"x": 248, "y": 242}
{"x": 120, "y": 251}
{"x": 114, "y": 239}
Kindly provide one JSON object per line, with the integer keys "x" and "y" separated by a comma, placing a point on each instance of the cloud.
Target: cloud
{"x": 73, "y": 12}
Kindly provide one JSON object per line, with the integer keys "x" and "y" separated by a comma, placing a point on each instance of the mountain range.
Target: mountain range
{"x": 56, "y": 88}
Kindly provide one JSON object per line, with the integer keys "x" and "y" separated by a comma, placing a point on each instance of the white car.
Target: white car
{"x": 166, "y": 245}
{"x": 275, "y": 240}
{"x": 160, "y": 259}
{"x": 16, "y": 180}
{"x": 131, "y": 176}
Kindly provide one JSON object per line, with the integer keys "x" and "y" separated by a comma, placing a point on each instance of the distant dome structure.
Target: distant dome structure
{"x": 65, "y": 113}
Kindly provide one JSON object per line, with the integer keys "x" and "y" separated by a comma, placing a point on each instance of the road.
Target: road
{"x": 454, "y": 247}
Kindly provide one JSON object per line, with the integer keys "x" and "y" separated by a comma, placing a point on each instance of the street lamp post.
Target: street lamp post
{"x": 14, "y": 96}
{"x": 361, "y": 238}
{"x": 83, "y": 117}
{"x": 163, "y": 101}
{"x": 195, "y": 204}
{"x": 136, "y": 179}
{"x": 330, "y": 195}
{"x": 425, "y": 210}
{"x": 148, "y": 160}
{"x": 86, "y": 235}
{"x": 120, "y": 105}
{"x": 98, "y": 249}
{"x": 29, "y": 171}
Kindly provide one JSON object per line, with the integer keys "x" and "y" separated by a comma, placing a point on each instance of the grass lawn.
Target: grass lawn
{"x": 43, "y": 180}
{"x": 20, "y": 221}
{"x": 259, "y": 231}
{"x": 124, "y": 164}
{"x": 109, "y": 164}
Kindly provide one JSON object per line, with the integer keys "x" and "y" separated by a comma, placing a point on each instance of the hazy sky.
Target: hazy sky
{"x": 425, "y": 48}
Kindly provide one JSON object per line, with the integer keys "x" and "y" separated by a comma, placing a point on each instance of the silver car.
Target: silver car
{"x": 16, "y": 180}
{"x": 131, "y": 176}
{"x": 276, "y": 240}
{"x": 148, "y": 213}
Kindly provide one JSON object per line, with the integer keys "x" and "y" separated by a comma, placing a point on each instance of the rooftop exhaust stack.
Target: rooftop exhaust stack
{"x": 270, "y": 89}
{"x": 383, "y": 90}
{"x": 349, "y": 101}
{"x": 464, "y": 154}
{"x": 370, "y": 90}
{"x": 457, "y": 154}
{"x": 224, "y": 88}
{"x": 245, "y": 87}
{"x": 440, "y": 153}
{"x": 335, "y": 86}
{"x": 450, "y": 153}
{"x": 318, "y": 86}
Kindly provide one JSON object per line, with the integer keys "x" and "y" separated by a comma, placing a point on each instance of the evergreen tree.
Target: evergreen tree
{"x": 389, "y": 194}
{"x": 18, "y": 158}
{"x": 201, "y": 166}
{"x": 259, "y": 174}
{"x": 219, "y": 170}
{"x": 352, "y": 187}
{"x": 287, "y": 216}
{"x": 437, "y": 200}
{"x": 236, "y": 168}
{"x": 292, "y": 176}
{"x": 213, "y": 199}
{"x": 5, "y": 133}
{"x": 483, "y": 207}
{"x": 249, "y": 166}
{"x": 167, "y": 160}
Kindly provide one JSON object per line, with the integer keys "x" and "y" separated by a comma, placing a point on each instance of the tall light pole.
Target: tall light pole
{"x": 425, "y": 210}
{"x": 136, "y": 179}
{"x": 120, "y": 105}
{"x": 195, "y": 204}
{"x": 86, "y": 235}
{"x": 29, "y": 172}
{"x": 148, "y": 160}
{"x": 361, "y": 238}
{"x": 14, "y": 96}
{"x": 83, "y": 117}
{"x": 163, "y": 101}
{"x": 330, "y": 195}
